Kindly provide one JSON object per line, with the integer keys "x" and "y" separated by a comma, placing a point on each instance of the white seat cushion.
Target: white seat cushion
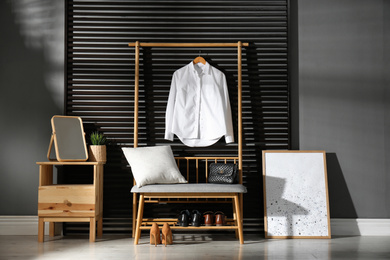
{"x": 190, "y": 188}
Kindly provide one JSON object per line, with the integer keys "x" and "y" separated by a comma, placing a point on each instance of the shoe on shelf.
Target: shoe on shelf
{"x": 155, "y": 235}
{"x": 208, "y": 218}
{"x": 220, "y": 218}
{"x": 184, "y": 218}
{"x": 166, "y": 235}
{"x": 196, "y": 218}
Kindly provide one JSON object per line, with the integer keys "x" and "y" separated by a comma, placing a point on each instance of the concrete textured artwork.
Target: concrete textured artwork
{"x": 296, "y": 200}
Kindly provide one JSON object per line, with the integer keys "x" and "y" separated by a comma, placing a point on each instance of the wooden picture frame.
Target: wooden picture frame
{"x": 296, "y": 200}
{"x": 69, "y": 139}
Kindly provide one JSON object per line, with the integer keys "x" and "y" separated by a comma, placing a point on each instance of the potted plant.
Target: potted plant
{"x": 97, "y": 149}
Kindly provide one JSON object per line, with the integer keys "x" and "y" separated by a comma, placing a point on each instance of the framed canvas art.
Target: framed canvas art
{"x": 296, "y": 203}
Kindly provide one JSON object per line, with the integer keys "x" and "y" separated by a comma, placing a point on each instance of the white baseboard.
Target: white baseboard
{"x": 360, "y": 227}
{"x": 28, "y": 225}
{"x": 20, "y": 225}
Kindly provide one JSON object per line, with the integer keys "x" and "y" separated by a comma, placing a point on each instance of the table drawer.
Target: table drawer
{"x": 66, "y": 200}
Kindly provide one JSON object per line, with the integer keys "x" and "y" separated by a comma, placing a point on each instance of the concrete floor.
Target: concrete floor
{"x": 195, "y": 246}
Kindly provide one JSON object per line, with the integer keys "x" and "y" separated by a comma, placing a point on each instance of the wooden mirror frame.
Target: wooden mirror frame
{"x": 73, "y": 137}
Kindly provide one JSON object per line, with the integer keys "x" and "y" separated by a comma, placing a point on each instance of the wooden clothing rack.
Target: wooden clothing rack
{"x": 237, "y": 197}
{"x": 239, "y": 46}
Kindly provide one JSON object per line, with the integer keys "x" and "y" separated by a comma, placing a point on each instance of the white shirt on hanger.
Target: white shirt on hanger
{"x": 198, "y": 110}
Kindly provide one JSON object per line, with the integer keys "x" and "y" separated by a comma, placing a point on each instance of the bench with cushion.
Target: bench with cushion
{"x": 158, "y": 180}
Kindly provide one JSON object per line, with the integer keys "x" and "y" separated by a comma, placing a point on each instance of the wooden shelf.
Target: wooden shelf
{"x": 69, "y": 163}
{"x": 197, "y": 228}
{"x": 172, "y": 222}
{"x": 57, "y": 186}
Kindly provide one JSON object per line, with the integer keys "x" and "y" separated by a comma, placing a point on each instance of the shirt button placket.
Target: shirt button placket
{"x": 200, "y": 103}
{"x": 198, "y": 100}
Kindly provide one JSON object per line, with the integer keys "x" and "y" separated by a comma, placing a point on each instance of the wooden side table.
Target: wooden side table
{"x": 70, "y": 203}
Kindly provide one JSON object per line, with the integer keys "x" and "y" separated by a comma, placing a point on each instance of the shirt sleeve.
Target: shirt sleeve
{"x": 229, "y": 136}
{"x": 169, "y": 111}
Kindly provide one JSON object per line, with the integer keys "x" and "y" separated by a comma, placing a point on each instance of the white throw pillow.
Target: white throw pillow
{"x": 152, "y": 165}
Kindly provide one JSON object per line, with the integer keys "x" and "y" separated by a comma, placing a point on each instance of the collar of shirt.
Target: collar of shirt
{"x": 204, "y": 67}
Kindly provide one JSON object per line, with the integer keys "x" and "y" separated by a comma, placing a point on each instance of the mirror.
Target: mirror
{"x": 69, "y": 139}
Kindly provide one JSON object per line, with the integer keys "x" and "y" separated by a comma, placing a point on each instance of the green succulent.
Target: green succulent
{"x": 98, "y": 138}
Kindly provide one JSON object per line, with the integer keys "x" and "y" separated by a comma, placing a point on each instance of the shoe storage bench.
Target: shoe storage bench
{"x": 191, "y": 192}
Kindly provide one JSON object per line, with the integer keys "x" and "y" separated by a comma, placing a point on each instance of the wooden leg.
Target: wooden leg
{"x": 235, "y": 218}
{"x": 52, "y": 229}
{"x": 139, "y": 219}
{"x": 241, "y": 196}
{"x": 100, "y": 227}
{"x": 134, "y": 214}
{"x": 41, "y": 229}
{"x": 239, "y": 219}
{"x": 92, "y": 230}
{"x": 99, "y": 186}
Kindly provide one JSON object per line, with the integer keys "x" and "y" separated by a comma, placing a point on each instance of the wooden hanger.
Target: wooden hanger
{"x": 199, "y": 59}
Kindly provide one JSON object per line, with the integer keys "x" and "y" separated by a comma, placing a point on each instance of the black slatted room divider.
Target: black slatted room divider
{"x": 99, "y": 80}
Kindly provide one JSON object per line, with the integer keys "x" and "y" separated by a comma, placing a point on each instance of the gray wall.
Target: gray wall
{"x": 341, "y": 91}
{"x": 386, "y": 73}
{"x": 344, "y": 100}
{"x": 31, "y": 83}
